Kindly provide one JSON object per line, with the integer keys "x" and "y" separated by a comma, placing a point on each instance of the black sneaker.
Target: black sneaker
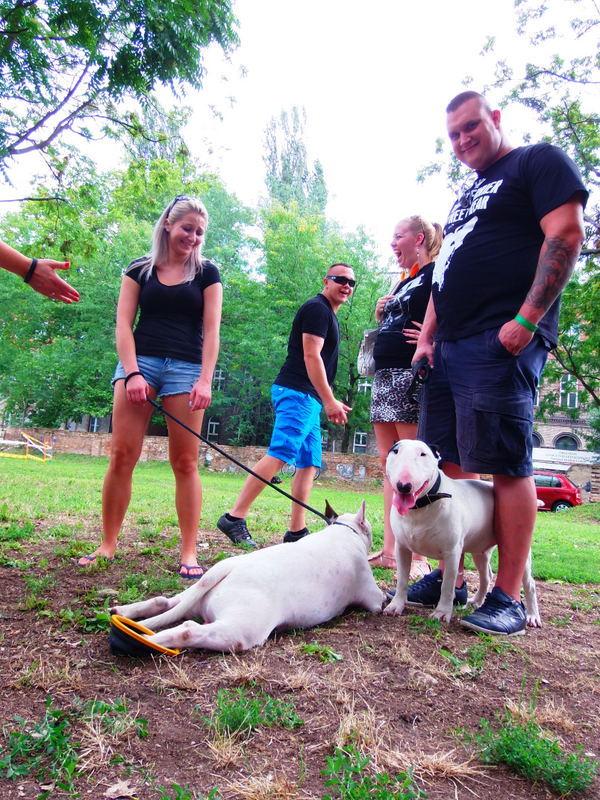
{"x": 236, "y": 529}
{"x": 295, "y": 536}
{"x": 499, "y": 615}
{"x": 426, "y": 592}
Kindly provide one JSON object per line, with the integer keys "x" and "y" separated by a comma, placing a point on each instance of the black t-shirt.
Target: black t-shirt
{"x": 491, "y": 247}
{"x": 408, "y": 305}
{"x": 317, "y": 318}
{"x": 170, "y": 321}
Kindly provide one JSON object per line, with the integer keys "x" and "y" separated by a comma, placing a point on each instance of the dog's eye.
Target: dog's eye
{"x": 423, "y": 454}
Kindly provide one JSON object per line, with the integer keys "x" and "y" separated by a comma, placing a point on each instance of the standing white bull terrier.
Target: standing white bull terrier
{"x": 442, "y": 518}
{"x": 244, "y": 598}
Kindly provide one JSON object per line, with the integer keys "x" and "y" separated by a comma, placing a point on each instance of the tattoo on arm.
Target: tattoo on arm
{"x": 557, "y": 260}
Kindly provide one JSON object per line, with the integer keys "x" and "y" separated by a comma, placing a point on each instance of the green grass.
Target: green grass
{"x": 346, "y": 773}
{"x": 67, "y": 492}
{"x": 48, "y": 750}
{"x": 528, "y": 751}
{"x": 242, "y": 709}
{"x": 323, "y": 653}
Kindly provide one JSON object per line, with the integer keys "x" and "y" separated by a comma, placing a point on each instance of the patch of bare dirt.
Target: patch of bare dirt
{"x": 393, "y": 693}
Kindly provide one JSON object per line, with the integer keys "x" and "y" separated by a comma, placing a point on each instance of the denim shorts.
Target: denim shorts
{"x": 477, "y": 406}
{"x": 166, "y": 375}
{"x": 296, "y": 437}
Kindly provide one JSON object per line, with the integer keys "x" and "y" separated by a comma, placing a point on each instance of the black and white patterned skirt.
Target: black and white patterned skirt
{"x": 389, "y": 402}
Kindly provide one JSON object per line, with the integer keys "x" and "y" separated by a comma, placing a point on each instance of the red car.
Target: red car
{"x": 556, "y": 492}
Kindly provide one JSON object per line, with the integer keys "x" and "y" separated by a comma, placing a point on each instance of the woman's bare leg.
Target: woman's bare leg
{"x": 183, "y": 455}
{"x": 129, "y": 425}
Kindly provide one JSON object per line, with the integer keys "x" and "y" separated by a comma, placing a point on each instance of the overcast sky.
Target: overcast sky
{"x": 374, "y": 79}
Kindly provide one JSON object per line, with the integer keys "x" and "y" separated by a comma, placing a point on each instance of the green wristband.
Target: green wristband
{"x": 526, "y": 324}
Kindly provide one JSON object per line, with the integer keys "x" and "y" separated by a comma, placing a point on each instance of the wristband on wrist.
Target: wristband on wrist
{"x": 33, "y": 265}
{"x": 526, "y": 324}
{"x": 131, "y": 375}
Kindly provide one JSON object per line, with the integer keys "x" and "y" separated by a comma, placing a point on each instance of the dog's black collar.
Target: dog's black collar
{"x": 345, "y": 526}
{"x": 432, "y": 495}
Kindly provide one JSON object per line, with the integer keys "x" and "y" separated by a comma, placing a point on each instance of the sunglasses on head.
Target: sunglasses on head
{"x": 174, "y": 202}
{"x": 342, "y": 280}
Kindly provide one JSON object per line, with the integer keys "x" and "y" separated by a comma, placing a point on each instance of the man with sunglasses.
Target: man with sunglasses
{"x": 511, "y": 242}
{"x": 299, "y": 393}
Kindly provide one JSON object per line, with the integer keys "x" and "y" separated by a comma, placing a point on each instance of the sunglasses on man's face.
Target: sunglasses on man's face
{"x": 342, "y": 280}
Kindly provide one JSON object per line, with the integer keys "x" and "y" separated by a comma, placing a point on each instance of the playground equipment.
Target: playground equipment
{"x": 30, "y": 443}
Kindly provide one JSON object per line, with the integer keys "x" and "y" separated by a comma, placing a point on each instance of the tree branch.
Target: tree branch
{"x": 565, "y": 78}
{"x": 57, "y": 198}
{"x": 12, "y": 149}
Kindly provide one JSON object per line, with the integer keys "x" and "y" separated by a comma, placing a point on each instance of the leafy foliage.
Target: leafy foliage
{"x": 68, "y": 63}
{"x": 241, "y": 710}
{"x": 346, "y": 771}
{"x": 289, "y": 177}
{"x": 57, "y": 365}
{"x": 528, "y": 751}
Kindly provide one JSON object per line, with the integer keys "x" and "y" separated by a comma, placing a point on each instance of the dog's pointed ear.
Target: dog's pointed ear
{"x": 435, "y": 449}
{"x": 330, "y": 513}
{"x": 361, "y": 514}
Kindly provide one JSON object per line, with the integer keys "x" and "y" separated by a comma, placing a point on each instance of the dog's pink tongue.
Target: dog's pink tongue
{"x": 403, "y": 502}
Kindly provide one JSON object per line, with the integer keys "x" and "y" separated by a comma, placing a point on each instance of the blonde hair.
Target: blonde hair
{"x": 432, "y": 232}
{"x": 176, "y": 209}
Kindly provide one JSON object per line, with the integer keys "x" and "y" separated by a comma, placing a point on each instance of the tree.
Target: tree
{"x": 68, "y": 63}
{"x": 56, "y": 361}
{"x": 289, "y": 177}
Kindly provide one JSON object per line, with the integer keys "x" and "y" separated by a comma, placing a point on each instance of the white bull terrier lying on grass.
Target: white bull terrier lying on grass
{"x": 442, "y": 518}
{"x": 244, "y": 598}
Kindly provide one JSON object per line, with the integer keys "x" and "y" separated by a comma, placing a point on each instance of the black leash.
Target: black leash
{"x": 158, "y": 407}
{"x": 421, "y": 372}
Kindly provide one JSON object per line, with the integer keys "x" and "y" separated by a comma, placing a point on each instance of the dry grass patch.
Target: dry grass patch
{"x": 550, "y": 713}
{"x": 431, "y": 766}
{"x": 250, "y": 669}
{"x": 402, "y": 653}
{"x": 226, "y": 750}
{"x": 301, "y": 679}
{"x": 267, "y": 787}
{"x": 178, "y": 676}
{"x": 52, "y": 678}
{"x": 361, "y": 730}
{"x": 99, "y": 741}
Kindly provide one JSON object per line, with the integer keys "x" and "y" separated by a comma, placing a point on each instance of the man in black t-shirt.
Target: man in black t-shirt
{"x": 511, "y": 243}
{"x": 301, "y": 389}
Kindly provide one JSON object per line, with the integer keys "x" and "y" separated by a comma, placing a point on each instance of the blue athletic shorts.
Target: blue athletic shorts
{"x": 477, "y": 406}
{"x": 166, "y": 375}
{"x": 296, "y": 437}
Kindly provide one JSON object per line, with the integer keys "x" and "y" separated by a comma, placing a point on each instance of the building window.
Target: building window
{"x": 537, "y": 439}
{"x": 212, "y": 430}
{"x": 569, "y": 397}
{"x": 219, "y": 379}
{"x": 360, "y": 442}
{"x": 566, "y": 442}
{"x": 364, "y": 386}
{"x": 94, "y": 424}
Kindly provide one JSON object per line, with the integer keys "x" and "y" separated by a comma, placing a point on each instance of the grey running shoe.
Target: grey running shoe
{"x": 236, "y": 530}
{"x": 295, "y": 536}
{"x": 426, "y": 592}
{"x": 499, "y": 615}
